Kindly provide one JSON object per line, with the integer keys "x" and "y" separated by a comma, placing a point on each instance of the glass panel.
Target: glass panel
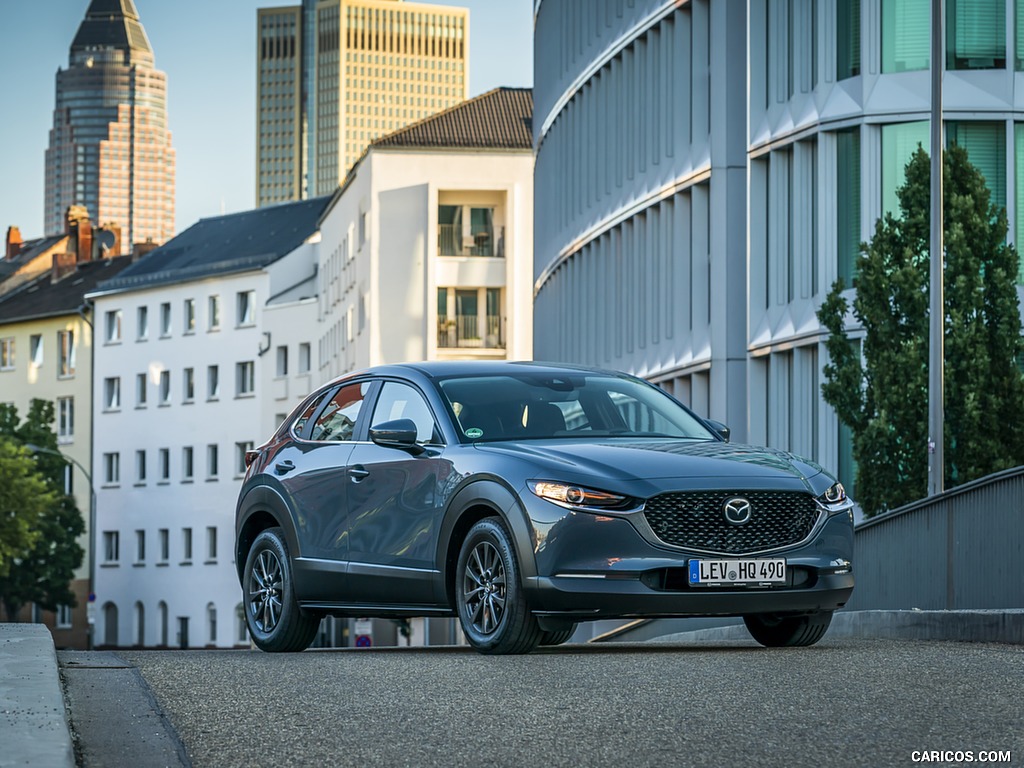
{"x": 399, "y": 401}
{"x": 975, "y": 34}
{"x": 1018, "y": 151}
{"x": 848, "y": 203}
{"x": 1018, "y": 17}
{"x": 466, "y": 314}
{"x": 906, "y": 35}
{"x": 338, "y": 420}
{"x": 899, "y": 141}
{"x": 847, "y": 38}
{"x": 986, "y": 149}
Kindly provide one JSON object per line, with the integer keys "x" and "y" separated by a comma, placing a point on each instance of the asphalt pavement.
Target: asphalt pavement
{"x": 706, "y": 698}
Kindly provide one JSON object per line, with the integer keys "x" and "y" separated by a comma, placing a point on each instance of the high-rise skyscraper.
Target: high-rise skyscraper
{"x": 333, "y": 75}
{"x": 110, "y": 149}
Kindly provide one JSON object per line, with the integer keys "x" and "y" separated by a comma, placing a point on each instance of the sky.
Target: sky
{"x": 208, "y": 50}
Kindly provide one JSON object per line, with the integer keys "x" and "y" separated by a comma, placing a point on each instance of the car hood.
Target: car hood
{"x": 624, "y": 459}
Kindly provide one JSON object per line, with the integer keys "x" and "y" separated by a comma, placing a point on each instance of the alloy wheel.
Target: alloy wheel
{"x": 266, "y": 583}
{"x": 485, "y": 588}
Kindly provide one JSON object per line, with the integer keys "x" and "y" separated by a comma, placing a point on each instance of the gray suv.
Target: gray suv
{"x": 525, "y": 498}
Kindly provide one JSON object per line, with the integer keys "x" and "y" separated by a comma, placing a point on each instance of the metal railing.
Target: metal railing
{"x": 465, "y": 331}
{"x": 450, "y": 242}
{"x": 961, "y": 549}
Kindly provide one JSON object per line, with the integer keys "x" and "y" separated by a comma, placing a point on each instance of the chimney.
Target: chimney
{"x": 14, "y": 242}
{"x": 63, "y": 264}
{"x": 141, "y": 249}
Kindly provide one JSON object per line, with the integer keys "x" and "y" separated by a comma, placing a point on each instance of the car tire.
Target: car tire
{"x": 275, "y": 621}
{"x": 489, "y": 595}
{"x": 774, "y": 631}
{"x": 556, "y": 638}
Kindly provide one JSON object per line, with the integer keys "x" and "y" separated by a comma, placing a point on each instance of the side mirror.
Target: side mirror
{"x": 400, "y": 433}
{"x": 722, "y": 430}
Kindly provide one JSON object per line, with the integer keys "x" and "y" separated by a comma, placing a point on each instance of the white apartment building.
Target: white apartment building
{"x": 177, "y": 402}
{"x": 427, "y": 248}
{"x": 706, "y": 170}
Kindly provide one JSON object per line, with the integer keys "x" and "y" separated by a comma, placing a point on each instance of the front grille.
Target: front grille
{"x": 696, "y": 520}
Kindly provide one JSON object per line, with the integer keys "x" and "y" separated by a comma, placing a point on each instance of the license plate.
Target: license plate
{"x": 728, "y": 573}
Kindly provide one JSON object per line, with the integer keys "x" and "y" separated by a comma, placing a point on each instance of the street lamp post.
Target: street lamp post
{"x": 91, "y": 552}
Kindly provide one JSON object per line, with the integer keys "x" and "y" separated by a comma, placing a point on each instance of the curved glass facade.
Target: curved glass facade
{"x": 690, "y": 237}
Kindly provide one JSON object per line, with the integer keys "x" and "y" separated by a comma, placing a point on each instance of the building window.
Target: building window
{"x": 112, "y": 468}
{"x": 113, "y": 326}
{"x": 164, "y": 540}
{"x": 7, "y": 354}
{"x": 211, "y": 620}
{"x": 189, "y": 320}
{"x": 35, "y": 350}
{"x": 848, "y": 203}
{"x": 246, "y": 307}
{"x": 141, "y": 390}
{"x": 165, "y": 387}
{"x": 847, "y": 38}
{"x": 111, "y": 546}
{"x": 186, "y": 463}
{"x": 282, "y": 361}
{"x": 1018, "y": 147}
{"x": 304, "y": 357}
{"x": 899, "y": 141}
{"x": 245, "y": 378}
{"x": 140, "y": 466}
{"x": 164, "y": 459}
{"x": 142, "y": 323}
{"x": 212, "y": 382}
{"x": 63, "y": 618}
{"x": 906, "y": 35}
{"x": 66, "y": 347}
{"x": 986, "y": 149}
{"x": 211, "y": 461}
{"x": 112, "y": 393}
{"x": 165, "y": 319}
{"x": 65, "y": 419}
{"x": 240, "y": 450}
{"x": 211, "y": 543}
{"x": 189, "y": 385}
{"x": 213, "y": 310}
{"x": 186, "y": 542}
{"x": 975, "y": 34}
{"x": 140, "y": 546}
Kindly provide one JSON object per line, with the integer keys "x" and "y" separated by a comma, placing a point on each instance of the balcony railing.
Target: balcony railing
{"x": 452, "y": 243}
{"x": 465, "y": 331}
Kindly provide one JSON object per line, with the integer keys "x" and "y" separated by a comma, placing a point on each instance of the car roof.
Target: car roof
{"x": 437, "y": 369}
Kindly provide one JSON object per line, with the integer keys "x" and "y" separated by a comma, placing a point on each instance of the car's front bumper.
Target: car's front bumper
{"x": 591, "y": 566}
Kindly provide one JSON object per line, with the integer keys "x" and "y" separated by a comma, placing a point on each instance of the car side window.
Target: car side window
{"x": 307, "y": 414}
{"x": 400, "y": 401}
{"x": 337, "y": 421}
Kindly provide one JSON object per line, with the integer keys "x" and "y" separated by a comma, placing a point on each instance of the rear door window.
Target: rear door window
{"x": 337, "y": 421}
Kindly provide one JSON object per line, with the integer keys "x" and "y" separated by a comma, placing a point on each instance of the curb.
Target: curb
{"x": 976, "y": 626}
{"x": 33, "y": 721}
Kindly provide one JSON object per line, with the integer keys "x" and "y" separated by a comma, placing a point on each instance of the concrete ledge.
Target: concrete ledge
{"x": 33, "y": 722}
{"x": 977, "y": 626}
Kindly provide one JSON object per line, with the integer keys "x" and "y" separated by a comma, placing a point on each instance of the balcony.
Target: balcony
{"x": 451, "y": 242}
{"x": 471, "y": 332}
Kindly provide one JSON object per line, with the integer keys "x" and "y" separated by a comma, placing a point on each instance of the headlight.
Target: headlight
{"x": 573, "y": 496}
{"x": 835, "y": 499}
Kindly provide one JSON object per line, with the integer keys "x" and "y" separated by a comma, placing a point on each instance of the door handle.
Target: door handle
{"x": 358, "y": 472}
{"x": 283, "y": 467}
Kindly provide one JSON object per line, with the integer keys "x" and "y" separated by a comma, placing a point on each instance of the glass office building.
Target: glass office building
{"x": 110, "y": 149}
{"x": 334, "y": 75}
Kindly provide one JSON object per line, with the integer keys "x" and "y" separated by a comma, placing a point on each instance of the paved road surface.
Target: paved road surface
{"x": 844, "y": 702}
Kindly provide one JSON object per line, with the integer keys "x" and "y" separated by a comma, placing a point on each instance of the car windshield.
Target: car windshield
{"x": 578, "y": 405}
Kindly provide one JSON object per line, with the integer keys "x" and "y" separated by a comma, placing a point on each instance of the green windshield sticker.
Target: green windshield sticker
{"x": 473, "y": 432}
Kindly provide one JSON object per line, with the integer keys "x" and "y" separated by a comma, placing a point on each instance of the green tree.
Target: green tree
{"x": 43, "y": 572}
{"x": 24, "y": 500}
{"x": 880, "y": 390}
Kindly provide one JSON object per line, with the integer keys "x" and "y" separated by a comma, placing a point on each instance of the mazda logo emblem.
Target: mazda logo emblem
{"x": 738, "y": 511}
